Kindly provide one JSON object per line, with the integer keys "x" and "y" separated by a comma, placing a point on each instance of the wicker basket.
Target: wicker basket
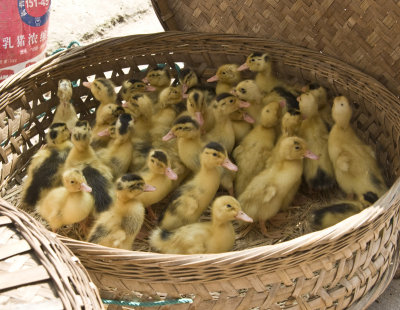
{"x": 345, "y": 266}
{"x": 37, "y": 270}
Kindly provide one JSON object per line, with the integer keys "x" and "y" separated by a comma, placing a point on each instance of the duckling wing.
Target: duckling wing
{"x": 343, "y": 161}
{"x": 269, "y": 193}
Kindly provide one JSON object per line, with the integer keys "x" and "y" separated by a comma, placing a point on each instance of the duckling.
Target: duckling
{"x": 98, "y": 176}
{"x": 227, "y": 77}
{"x": 275, "y": 187}
{"x": 354, "y": 162}
{"x": 160, "y": 175}
{"x": 197, "y": 108}
{"x": 321, "y": 97}
{"x": 215, "y": 236}
{"x": 133, "y": 87}
{"x": 65, "y": 112}
{"x": 192, "y": 198}
{"x": 287, "y": 99}
{"x": 248, "y": 91}
{"x": 158, "y": 78}
{"x": 318, "y": 174}
{"x": 334, "y": 213}
{"x": 44, "y": 171}
{"x": 118, "y": 155}
{"x": 67, "y": 204}
{"x": 119, "y": 226}
{"x": 190, "y": 82}
{"x": 104, "y": 119}
{"x": 251, "y": 154}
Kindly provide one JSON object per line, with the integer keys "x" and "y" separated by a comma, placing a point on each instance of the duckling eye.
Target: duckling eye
{"x": 253, "y": 60}
{"x": 215, "y": 154}
{"x": 297, "y": 147}
{"x": 341, "y": 104}
{"x": 228, "y": 206}
{"x": 152, "y": 160}
{"x": 267, "y": 111}
{"x": 231, "y": 101}
{"x": 242, "y": 90}
{"x": 223, "y": 72}
{"x": 72, "y": 182}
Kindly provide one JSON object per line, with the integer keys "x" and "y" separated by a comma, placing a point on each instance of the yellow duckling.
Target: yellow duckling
{"x": 216, "y": 236}
{"x": 119, "y": 226}
{"x": 251, "y": 154}
{"x": 286, "y": 98}
{"x": 318, "y": 174}
{"x": 192, "y": 198}
{"x": 158, "y": 78}
{"x": 65, "y": 112}
{"x": 197, "y": 108}
{"x": 133, "y": 87}
{"x": 227, "y": 77}
{"x": 118, "y": 155}
{"x": 160, "y": 175}
{"x": 67, "y": 204}
{"x": 248, "y": 91}
{"x": 321, "y": 97}
{"x": 275, "y": 187}
{"x": 354, "y": 162}
{"x": 190, "y": 82}
{"x": 45, "y": 169}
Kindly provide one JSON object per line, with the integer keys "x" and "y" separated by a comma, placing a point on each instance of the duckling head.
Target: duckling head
{"x": 133, "y": 86}
{"x": 291, "y": 122}
{"x": 293, "y": 148}
{"x": 124, "y": 125}
{"x": 109, "y": 113}
{"x": 270, "y": 114}
{"x": 139, "y": 105}
{"x": 183, "y": 127}
{"x": 248, "y": 90}
{"x": 64, "y": 91}
{"x": 214, "y": 154}
{"x": 341, "y": 111}
{"x": 158, "y": 162}
{"x": 58, "y": 133}
{"x": 196, "y": 106}
{"x": 102, "y": 89}
{"x": 227, "y": 73}
{"x": 188, "y": 78}
{"x": 170, "y": 95}
{"x": 158, "y": 77}
{"x": 81, "y": 134}
{"x": 308, "y": 105}
{"x": 227, "y": 208}
{"x": 227, "y": 103}
{"x": 74, "y": 181}
{"x": 257, "y": 62}
{"x": 131, "y": 185}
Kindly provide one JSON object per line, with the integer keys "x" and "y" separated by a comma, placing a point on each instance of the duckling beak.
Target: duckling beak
{"x": 104, "y": 133}
{"x": 85, "y": 188}
{"x": 247, "y": 118}
{"x": 149, "y": 188}
{"x": 243, "y": 67}
{"x": 169, "y": 136}
{"x": 124, "y": 104}
{"x": 212, "y": 79}
{"x": 184, "y": 88}
{"x": 311, "y": 155}
{"x": 171, "y": 174}
{"x": 199, "y": 118}
{"x": 150, "y": 88}
{"x": 145, "y": 80}
{"x": 229, "y": 165}
{"x": 185, "y": 96}
{"x": 87, "y": 84}
{"x": 244, "y": 104}
{"x": 243, "y": 217}
{"x": 282, "y": 103}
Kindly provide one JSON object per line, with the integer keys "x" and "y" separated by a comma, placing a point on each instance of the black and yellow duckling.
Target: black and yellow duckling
{"x": 119, "y": 226}
{"x": 227, "y": 77}
{"x": 45, "y": 169}
{"x": 191, "y": 199}
{"x": 198, "y": 108}
{"x": 67, "y": 204}
{"x": 65, "y": 112}
{"x": 191, "y": 82}
{"x": 356, "y": 169}
{"x": 215, "y": 236}
{"x": 159, "y": 78}
{"x": 133, "y": 87}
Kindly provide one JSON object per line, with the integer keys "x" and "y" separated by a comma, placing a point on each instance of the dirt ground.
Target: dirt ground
{"x": 92, "y": 20}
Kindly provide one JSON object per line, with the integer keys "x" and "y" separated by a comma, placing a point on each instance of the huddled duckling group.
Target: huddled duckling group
{"x": 172, "y": 142}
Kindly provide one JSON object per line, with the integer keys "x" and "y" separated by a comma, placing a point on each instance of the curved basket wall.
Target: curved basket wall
{"x": 363, "y": 33}
{"x": 345, "y": 266}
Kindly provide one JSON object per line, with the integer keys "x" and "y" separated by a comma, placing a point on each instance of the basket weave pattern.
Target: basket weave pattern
{"x": 347, "y": 265}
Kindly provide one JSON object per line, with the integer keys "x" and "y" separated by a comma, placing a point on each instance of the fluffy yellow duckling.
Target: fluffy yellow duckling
{"x": 318, "y": 174}
{"x": 248, "y": 91}
{"x": 159, "y": 78}
{"x": 160, "y": 175}
{"x": 133, "y": 87}
{"x": 215, "y": 236}
{"x": 65, "y": 112}
{"x": 67, "y": 204}
{"x": 275, "y": 187}
{"x": 45, "y": 169}
{"x": 354, "y": 162}
{"x": 190, "y": 82}
{"x": 251, "y": 154}
{"x": 227, "y": 77}
{"x": 98, "y": 176}
{"x": 119, "y": 226}
{"x": 197, "y": 108}
{"x": 192, "y": 198}
{"x": 118, "y": 155}
{"x": 321, "y": 97}
{"x": 334, "y": 213}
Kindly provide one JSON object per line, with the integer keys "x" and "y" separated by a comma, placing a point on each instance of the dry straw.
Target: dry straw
{"x": 345, "y": 266}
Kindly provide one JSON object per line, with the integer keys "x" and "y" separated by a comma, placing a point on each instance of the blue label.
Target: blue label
{"x": 32, "y": 20}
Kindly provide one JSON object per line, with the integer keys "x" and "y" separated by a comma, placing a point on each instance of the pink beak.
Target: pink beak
{"x": 311, "y": 155}
{"x": 169, "y": 136}
{"x": 184, "y": 96}
{"x": 244, "y": 104}
{"x": 104, "y": 133}
{"x": 85, "y": 188}
{"x": 199, "y": 118}
{"x": 171, "y": 174}
{"x": 229, "y": 165}
{"x": 184, "y": 88}
{"x": 243, "y": 67}
{"x": 145, "y": 80}
{"x": 212, "y": 79}
{"x": 87, "y": 84}
{"x": 150, "y": 88}
{"x": 124, "y": 104}
{"x": 233, "y": 91}
{"x": 247, "y": 118}
{"x": 282, "y": 103}
{"x": 149, "y": 188}
{"x": 244, "y": 217}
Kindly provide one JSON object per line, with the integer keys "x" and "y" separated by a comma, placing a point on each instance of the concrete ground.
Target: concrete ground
{"x": 92, "y": 20}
